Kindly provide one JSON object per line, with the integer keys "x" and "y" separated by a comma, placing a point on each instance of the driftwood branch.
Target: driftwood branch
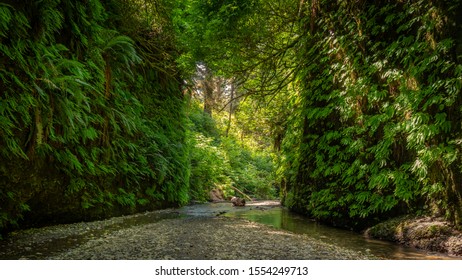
{"x": 239, "y": 191}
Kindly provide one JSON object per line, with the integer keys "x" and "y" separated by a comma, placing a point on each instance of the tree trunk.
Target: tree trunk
{"x": 230, "y": 109}
{"x": 208, "y": 94}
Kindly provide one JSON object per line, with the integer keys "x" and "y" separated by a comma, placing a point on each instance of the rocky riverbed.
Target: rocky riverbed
{"x": 206, "y": 238}
{"x": 168, "y": 234}
{"x": 261, "y": 230}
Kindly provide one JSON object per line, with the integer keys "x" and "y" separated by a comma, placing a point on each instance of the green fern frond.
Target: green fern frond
{"x": 5, "y": 18}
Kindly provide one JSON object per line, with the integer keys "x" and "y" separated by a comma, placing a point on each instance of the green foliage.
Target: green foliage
{"x": 217, "y": 33}
{"x": 91, "y": 125}
{"x": 251, "y": 170}
{"x": 219, "y": 162}
{"x": 381, "y": 103}
{"x": 209, "y": 168}
{"x": 361, "y": 100}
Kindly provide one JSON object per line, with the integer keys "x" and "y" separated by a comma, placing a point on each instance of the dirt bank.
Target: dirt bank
{"x": 427, "y": 233}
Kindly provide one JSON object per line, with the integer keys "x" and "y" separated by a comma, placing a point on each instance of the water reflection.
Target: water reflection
{"x": 281, "y": 218}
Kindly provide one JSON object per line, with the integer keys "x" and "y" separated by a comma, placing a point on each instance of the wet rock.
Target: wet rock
{"x": 237, "y": 201}
{"x": 220, "y": 213}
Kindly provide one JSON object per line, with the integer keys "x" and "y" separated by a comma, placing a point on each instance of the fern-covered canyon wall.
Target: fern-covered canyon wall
{"x": 92, "y": 119}
{"x": 379, "y": 124}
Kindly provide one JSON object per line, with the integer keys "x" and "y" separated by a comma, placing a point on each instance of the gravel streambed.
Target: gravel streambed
{"x": 206, "y": 238}
{"x": 168, "y": 234}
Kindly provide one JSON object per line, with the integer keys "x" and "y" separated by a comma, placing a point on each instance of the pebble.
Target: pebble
{"x": 209, "y": 238}
{"x": 181, "y": 238}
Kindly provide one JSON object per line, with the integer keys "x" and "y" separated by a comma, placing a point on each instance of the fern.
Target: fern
{"x": 55, "y": 112}
{"x": 377, "y": 93}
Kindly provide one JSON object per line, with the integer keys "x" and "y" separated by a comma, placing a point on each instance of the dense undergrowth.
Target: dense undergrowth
{"x": 378, "y": 125}
{"x": 91, "y": 109}
{"x": 223, "y": 162}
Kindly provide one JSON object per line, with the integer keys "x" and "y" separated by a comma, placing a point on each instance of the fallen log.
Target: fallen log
{"x": 239, "y": 191}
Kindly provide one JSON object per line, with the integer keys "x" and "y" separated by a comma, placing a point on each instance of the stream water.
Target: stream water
{"x": 47, "y": 241}
{"x": 281, "y": 218}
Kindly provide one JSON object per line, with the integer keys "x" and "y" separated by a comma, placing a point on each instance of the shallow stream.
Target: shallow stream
{"x": 273, "y": 215}
{"x": 43, "y": 243}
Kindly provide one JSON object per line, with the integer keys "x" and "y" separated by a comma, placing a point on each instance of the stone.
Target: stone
{"x": 237, "y": 201}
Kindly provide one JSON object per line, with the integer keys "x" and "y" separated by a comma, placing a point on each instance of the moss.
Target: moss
{"x": 388, "y": 230}
{"x": 438, "y": 229}
{"x": 428, "y": 233}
